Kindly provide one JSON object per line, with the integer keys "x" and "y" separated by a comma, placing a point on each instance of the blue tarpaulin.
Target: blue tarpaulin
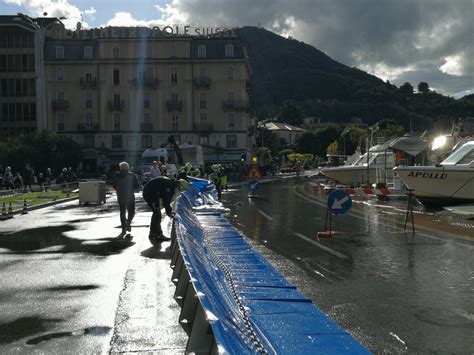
{"x": 250, "y": 306}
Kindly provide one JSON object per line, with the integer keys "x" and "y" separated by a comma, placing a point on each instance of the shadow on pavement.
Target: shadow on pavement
{"x": 23, "y": 327}
{"x": 157, "y": 253}
{"x": 32, "y": 240}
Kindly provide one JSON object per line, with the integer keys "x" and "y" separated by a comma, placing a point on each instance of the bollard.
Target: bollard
{"x": 25, "y": 207}
{"x": 4, "y": 210}
{"x": 10, "y": 210}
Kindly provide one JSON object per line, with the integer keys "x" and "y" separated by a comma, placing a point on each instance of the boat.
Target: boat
{"x": 450, "y": 182}
{"x": 377, "y": 165}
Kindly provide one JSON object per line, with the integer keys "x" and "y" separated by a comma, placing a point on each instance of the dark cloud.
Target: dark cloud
{"x": 385, "y": 37}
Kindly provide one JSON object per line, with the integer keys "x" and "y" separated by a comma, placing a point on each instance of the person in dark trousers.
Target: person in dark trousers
{"x": 160, "y": 188}
{"x": 125, "y": 183}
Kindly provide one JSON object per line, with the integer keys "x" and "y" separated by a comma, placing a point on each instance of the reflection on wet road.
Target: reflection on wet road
{"x": 394, "y": 292}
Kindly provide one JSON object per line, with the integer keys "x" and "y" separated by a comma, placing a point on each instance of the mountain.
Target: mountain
{"x": 287, "y": 69}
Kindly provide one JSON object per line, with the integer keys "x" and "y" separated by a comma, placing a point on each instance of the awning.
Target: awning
{"x": 410, "y": 145}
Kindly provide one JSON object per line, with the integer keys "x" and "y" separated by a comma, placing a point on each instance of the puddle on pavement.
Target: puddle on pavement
{"x": 88, "y": 331}
{"x": 32, "y": 240}
{"x": 73, "y": 288}
{"x": 23, "y": 327}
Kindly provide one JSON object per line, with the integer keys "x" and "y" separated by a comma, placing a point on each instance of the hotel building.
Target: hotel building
{"x": 120, "y": 90}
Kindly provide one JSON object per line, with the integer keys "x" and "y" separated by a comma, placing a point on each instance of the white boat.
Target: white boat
{"x": 450, "y": 182}
{"x": 380, "y": 163}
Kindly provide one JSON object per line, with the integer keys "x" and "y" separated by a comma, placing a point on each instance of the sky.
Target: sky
{"x": 396, "y": 40}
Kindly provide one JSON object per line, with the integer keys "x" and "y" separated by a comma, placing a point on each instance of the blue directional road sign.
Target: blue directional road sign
{"x": 254, "y": 185}
{"x": 339, "y": 202}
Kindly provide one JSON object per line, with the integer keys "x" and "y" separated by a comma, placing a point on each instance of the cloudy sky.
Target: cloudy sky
{"x": 398, "y": 40}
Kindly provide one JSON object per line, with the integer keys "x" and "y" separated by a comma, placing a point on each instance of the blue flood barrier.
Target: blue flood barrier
{"x": 233, "y": 300}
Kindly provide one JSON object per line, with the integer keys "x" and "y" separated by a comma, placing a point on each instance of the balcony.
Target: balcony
{"x": 202, "y": 83}
{"x": 174, "y": 105}
{"x": 60, "y": 105}
{"x": 116, "y": 106}
{"x": 144, "y": 82}
{"x": 235, "y": 106}
{"x": 93, "y": 128}
{"x": 88, "y": 84}
{"x": 203, "y": 127}
{"x": 146, "y": 126}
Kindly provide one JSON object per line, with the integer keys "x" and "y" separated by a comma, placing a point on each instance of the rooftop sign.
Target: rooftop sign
{"x": 141, "y": 32}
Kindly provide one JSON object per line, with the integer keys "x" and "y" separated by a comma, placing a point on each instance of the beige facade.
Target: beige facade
{"x": 119, "y": 96}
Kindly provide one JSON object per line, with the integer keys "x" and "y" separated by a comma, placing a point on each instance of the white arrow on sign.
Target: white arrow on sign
{"x": 253, "y": 186}
{"x": 337, "y": 204}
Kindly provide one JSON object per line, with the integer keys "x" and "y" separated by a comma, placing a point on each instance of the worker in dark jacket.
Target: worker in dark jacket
{"x": 160, "y": 188}
{"x": 125, "y": 183}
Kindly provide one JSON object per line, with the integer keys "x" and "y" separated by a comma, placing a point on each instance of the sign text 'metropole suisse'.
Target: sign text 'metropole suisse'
{"x": 141, "y": 32}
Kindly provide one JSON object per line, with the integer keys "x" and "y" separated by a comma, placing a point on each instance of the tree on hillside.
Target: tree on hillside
{"x": 290, "y": 113}
{"x": 406, "y": 88}
{"x": 423, "y": 87}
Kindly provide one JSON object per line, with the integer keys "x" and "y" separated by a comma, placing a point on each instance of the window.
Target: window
{"x": 230, "y": 99}
{"x": 88, "y": 119}
{"x": 202, "y": 72}
{"x": 60, "y": 96}
{"x": 174, "y": 97}
{"x": 116, "y": 76}
{"x": 201, "y": 51}
{"x": 203, "y": 117}
{"x": 88, "y": 77}
{"x": 88, "y": 100}
{"x": 175, "y": 123}
{"x": 230, "y": 73}
{"x": 149, "y": 73}
{"x": 88, "y": 52}
{"x": 146, "y": 118}
{"x": 174, "y": 75}
{"x": 117, "y": 142}
{"x": 116, "y": 52}
{"x": 60, "y": 121}
{"x": 173, "y": 51}
{"x": 202, "y": 100}
{"x": 60, "y": 74}
{"x": 146, "y": 141}
{"x": 229, "y": 50}
{"x": 117, "y": 100}
{"x": 117, "y": 122}
{"x": 59, "y": 52}
{"x": 146, "y": 100}
{"x": 231, "y": 121}
{"x": 231, "y": 141}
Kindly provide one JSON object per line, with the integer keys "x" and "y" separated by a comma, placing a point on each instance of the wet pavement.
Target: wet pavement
{"x": 394, "y": 291}
{"x": 67, "y": 284}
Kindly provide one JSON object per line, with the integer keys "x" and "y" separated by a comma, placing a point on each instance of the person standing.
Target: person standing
{"x": 125, "y": 183}
{"x": 155, "y": 170}
{"x": 29, "y": 176}
{"x": 8, "y": 179}
{"x": 160, "y": 188}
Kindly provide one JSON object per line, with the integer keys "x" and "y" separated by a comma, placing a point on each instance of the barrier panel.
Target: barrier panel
{"x": 233, "y": 301}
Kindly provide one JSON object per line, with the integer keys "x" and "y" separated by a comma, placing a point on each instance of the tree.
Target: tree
{"x": 264, "y": 155}
{"x": 333, "y": 148}
{"x": 316, "y": 142}
{"x": 406, "y": 88}
{"x": 270, "y": 140}
{"x": 42, "y": 150}
{"x": 290, "y": 113}
{"x": 352, "y": 138}
{"x": 423, "y": 87}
